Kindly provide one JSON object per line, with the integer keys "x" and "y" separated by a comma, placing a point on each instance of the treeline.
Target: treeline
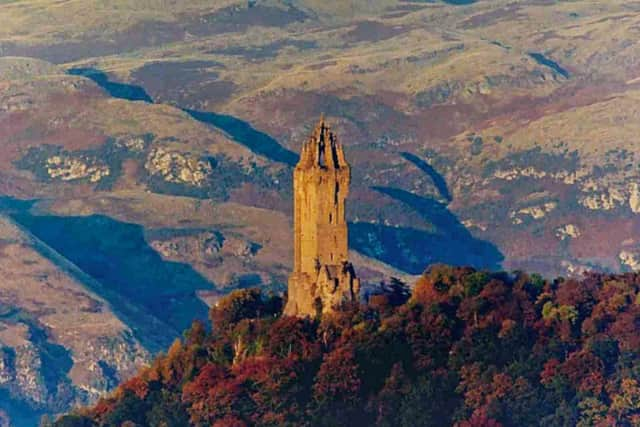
{"x": 467, "y": 348}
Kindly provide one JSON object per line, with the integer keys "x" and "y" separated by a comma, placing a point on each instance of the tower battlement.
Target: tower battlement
{"x": 322, "y": 277}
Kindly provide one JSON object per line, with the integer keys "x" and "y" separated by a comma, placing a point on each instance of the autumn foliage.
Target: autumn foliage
{"x": 467, "y": 349}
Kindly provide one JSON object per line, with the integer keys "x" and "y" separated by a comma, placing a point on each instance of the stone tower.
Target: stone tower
{"x": 322, "y": 275}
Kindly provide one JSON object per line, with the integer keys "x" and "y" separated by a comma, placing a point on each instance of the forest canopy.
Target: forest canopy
{"x": 465, "y": 348}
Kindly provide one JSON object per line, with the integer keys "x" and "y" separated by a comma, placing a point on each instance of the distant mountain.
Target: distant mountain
{"x": 468, "y": 348}
{"x": 505, "y": 117}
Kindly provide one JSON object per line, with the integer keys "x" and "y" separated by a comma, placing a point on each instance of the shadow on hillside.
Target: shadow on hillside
{"x": 242, "y": 132}
{"x": 406, "y": 248}
{"x": 411, "y": 249}
{"x": 20, "y": 413}
{"x": 549, "y": 63}
{"x": 156, "y": 298}
{"x": 114, "y": 89}
{"x": 239, "y": 130}
{"x": 56, "y": 360}
{"x": 437, "y": 179}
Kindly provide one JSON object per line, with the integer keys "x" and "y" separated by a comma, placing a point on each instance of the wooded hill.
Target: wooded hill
{"x": 466, "y": 348}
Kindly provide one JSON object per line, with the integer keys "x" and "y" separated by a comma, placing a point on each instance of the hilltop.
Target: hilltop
{"x": 467, "y": 348}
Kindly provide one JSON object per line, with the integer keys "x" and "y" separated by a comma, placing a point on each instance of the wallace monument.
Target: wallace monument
{"x": 322, "y": 277}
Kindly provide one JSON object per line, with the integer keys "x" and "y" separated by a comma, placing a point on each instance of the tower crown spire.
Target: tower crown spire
{"x": 322, "y": 149}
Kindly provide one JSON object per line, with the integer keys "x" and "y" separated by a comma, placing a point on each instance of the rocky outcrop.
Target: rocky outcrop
{"x": 438, "y": 94}
{"x": 607, "y": 196}
{"x": 240, "y": 247}
{"x": 136, "y": 144}
{"x": 564, "y": 176}
{"x": 634, "y": 197}
{"x": 6, "y": 373}
{"x": 574, "y": 269}
{"x": 535, "y": 212}
{"x": 179, "y": 168}
{"x": 512, "y": 174}
{"x": 469, "y": 223}
{"x": 68, "y": 168}
{"x": 630, "y": 259}
{"x": 94, "y": 369}
{"x": 106, "y": 362}
{"x": 604, "y": 201}
{"x": 203, "y": 245}
{"x": 568, "y": 231}
{"x": 21, "y": 368}
{"x": 606, "y": 193}
{"x": 28, "y": 371}
{"x": 16, "y": 103}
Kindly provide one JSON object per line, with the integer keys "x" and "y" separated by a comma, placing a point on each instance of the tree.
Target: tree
{"x": 337, "y": 379}
{"x": 467, "y": 349}
{"x": 592, "y": 412}
{"x": 243, "y": 304}
{"x": 626, "y": 403}
{"x": 167, "y": 410}
{"x": 201, "y": 393}
{"x": 336, "y": 390}
{"x": 389, "y": 401}
{"x": 396, "y": 292}
{"x": 74, "y": 421}
{"x": 291, "y": 336}
{"x": 197, "y": 334}
{"x": 130, "y": 408}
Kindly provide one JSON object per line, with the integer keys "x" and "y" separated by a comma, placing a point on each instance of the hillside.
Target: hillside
{"x": 464, "y": 123}
{"x": 468, "y": 348}
{"x": 149, "y": 226}
{"x": 60, "y": 347}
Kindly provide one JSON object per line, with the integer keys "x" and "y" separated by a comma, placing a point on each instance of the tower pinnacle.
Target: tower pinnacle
{"x": 322, "y": 149}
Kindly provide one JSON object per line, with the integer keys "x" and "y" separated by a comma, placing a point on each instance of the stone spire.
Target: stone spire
{"x": 322, "y": 278}
{"x": 322, "y": 149}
